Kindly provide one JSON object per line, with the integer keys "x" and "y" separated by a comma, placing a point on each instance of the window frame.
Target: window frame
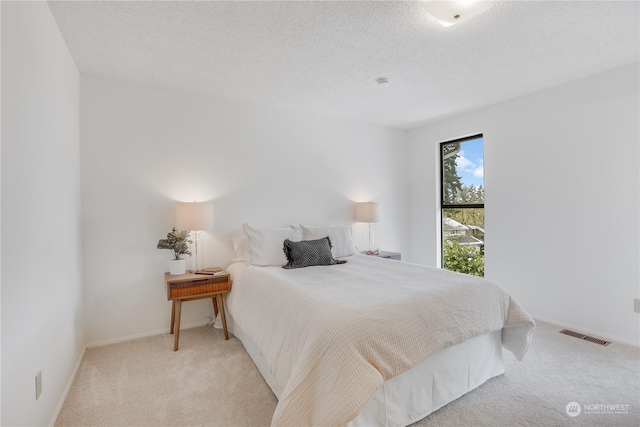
{"x": 444, "y": 205}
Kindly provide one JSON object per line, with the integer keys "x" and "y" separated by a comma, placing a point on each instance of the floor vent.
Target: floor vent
{"x": 585, "y": 337}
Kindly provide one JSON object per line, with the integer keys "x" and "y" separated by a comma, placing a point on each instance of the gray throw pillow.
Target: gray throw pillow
{"x": 308, "y": 252}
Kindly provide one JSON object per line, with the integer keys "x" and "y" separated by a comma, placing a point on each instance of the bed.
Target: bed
{"x": 371, "y": 341}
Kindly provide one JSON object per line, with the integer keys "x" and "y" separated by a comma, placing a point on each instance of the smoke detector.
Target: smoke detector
{"x": 382, "y": 82}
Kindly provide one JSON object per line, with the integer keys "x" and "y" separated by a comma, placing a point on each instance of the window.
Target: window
{"x": 462, "y": 201}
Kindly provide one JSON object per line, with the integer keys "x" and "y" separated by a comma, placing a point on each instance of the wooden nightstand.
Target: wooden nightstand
{"x": 389, "y": 255}
{"x": 189, "y": 287}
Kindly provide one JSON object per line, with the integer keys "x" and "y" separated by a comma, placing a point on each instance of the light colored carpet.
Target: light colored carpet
{"x": 213, "y": 382}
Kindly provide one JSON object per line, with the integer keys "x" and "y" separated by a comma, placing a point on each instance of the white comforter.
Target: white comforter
{"x": 333, "y": 334}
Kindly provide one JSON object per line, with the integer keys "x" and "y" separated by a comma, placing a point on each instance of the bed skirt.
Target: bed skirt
{"x": 442, "y": 378}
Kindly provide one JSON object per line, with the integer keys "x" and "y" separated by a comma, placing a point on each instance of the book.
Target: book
{"x": 211, "y": 271}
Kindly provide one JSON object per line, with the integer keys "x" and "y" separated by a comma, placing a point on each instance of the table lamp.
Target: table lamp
{"x": 368, "y": 212}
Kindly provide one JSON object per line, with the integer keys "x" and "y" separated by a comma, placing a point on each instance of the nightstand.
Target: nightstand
{"x": 189, "y": 287}
{"x": 389, "y": 255}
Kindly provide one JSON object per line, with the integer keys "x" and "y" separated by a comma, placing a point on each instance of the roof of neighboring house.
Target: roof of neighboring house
{"x": 450, "y": 224}
{"x": 475, "y": 227}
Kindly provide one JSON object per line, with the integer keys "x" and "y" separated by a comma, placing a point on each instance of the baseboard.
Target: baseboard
{"x": 588, "y": 331}
{"x": 143, "y": 335}
{"x": 68, "y": 388}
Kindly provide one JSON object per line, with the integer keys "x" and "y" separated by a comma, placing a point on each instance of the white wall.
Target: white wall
{"x": 42, "y": 326}
{"x": 144, "y": 148}
{"x": 562, "y": 200}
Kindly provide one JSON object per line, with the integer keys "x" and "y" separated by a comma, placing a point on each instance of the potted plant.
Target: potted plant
{"x": 178, "y": 243}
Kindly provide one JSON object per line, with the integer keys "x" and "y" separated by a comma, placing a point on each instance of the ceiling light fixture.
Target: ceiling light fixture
{"x": 382, "y": 82}
{"x": 451, "y": 12}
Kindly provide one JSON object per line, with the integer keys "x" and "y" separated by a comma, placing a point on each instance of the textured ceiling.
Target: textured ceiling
{"x": 324, "y": 57}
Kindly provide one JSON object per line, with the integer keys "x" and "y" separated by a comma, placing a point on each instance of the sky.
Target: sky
{"x": 470, "y": 164}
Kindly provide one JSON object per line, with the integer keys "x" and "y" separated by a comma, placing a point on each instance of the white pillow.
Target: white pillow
{"x": 340, "y": 238}
{"x": 265, "y": 246}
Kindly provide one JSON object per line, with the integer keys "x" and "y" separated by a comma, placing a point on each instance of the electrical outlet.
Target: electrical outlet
{"x": 636, "y": 306}
{"x": 38, "y": 384}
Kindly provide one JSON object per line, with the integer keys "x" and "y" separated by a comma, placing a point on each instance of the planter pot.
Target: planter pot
{"x": 177, "y": 266}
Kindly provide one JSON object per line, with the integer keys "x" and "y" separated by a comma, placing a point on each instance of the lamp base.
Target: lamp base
{"x": 371, "y": 247}
{"x": 196, "y": 261}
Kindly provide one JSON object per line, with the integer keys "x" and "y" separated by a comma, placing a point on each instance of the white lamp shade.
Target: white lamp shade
{"x": 367, "y": 212}
{"x": 194, "y": 216}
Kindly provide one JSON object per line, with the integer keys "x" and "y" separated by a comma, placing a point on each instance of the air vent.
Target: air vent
{"x": 584, "y": 337}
